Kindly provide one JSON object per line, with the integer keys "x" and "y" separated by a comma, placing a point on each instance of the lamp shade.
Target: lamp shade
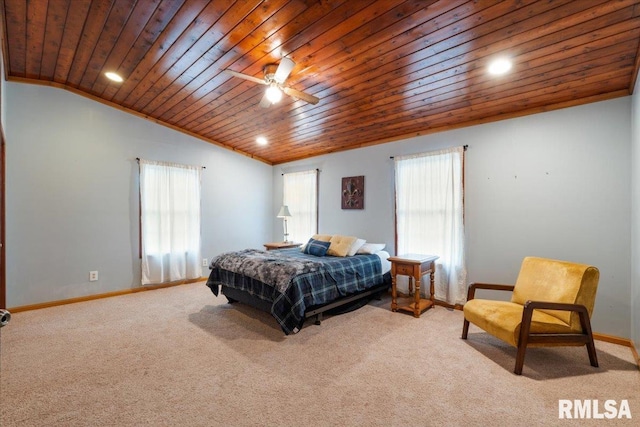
{"x": 284, "y": 212}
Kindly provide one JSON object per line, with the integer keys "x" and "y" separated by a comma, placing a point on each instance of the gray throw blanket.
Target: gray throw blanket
{"x": 271, "y": 267}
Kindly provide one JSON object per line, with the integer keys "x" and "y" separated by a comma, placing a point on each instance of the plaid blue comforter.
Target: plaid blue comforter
{"x": 292, "y": 281}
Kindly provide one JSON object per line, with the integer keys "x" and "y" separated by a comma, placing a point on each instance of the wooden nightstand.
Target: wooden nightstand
{"x": 415, "y": 266}
{"x": 281, "y": 245}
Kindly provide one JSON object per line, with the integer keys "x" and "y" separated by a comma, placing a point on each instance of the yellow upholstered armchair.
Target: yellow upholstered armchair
{"x": 551, "y": 305}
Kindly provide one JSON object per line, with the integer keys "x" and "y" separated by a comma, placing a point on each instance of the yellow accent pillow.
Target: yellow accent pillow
{"x": 340, "y": 245}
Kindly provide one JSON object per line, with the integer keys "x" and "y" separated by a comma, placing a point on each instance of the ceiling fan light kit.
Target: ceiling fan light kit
{"x": 273, "y": 93}
{"x": 274, "y": 77}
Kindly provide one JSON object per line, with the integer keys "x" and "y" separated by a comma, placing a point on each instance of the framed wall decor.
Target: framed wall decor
{"x": 353, "y": 192}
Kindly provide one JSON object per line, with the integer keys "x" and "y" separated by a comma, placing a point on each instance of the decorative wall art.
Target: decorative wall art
{"x": 353, "y": 192}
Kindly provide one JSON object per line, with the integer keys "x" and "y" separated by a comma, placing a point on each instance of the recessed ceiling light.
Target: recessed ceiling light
{"x": 499, "y": 66}
{"x": 261, "y": 140}
{"x": 113, "y": 76}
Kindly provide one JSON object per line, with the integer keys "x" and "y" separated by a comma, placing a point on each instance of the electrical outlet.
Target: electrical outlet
{"x": 93, "y": 276}
{"x": 205, "y": 262}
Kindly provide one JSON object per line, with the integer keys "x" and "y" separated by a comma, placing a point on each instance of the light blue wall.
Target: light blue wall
{"x": 635, "y": 221}
{"x": 555, "y": 185}
{"x": 72, "y": 194}
{"x": 3, "y": 96}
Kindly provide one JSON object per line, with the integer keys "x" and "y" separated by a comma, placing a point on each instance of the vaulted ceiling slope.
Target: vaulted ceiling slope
{"x": 383, "y": 70}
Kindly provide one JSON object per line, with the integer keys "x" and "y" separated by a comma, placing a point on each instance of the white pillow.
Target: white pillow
{"x": 371, "y": 248}
{"x": 356, "y": 245}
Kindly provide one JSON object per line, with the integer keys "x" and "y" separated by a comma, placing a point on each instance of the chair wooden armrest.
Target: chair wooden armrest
{"x": 537, "y": 305}
{"x": 526, "y": 338}
{"x": 471, "y": 293}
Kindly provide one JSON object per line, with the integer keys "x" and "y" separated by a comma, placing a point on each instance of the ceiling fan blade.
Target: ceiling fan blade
{"x": 245, "y": 76}
{"x": 301, "y": 95}
{"x": 264, "y": 102}
{"x": 284, "y": 69}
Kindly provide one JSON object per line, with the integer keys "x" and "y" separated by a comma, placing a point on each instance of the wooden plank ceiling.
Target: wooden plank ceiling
{"x": 383, "y": 70}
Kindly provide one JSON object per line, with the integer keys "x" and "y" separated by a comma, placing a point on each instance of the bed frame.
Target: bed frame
{"x": 339, "y": 306}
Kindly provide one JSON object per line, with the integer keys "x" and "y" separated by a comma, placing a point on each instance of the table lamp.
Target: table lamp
{"x": 284, "y": 214}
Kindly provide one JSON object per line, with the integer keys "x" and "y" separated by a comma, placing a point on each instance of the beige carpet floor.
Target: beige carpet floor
{"x": 180, "y": 356}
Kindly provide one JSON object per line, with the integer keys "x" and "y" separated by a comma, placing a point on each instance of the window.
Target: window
{"x": 169, "y": 222}
{"x": 300, "y": 194}
{"x": 429, "y": 216}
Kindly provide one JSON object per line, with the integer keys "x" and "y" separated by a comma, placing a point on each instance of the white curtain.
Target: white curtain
{"x": 170, "y": 222}
{"x": 429, "y": 216}
{"x": 300, "y": 194}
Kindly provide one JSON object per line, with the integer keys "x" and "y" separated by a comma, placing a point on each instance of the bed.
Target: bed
{"x": 294, "y": 286}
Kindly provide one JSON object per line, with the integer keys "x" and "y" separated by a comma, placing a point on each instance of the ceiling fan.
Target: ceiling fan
{"x": 274, "y": 77}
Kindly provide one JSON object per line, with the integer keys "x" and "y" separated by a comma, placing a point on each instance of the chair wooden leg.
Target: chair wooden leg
{"x": 465, "y": 329}
{"x": 523, "y": 339}
{"x": 586, "y": 329}
{"x": 591, "y": 349}
{"x": 522, "y": 348}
